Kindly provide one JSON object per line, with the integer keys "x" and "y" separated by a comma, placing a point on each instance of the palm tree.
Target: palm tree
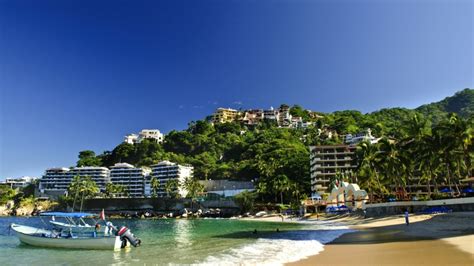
{"x": 194, "y": 189}
{"x": 429, "y": 161}
{"x": 391, "y": 164}
{"x": 282, "y": 184}
{"x": 463, "y": 132}
{"x": 262, "y": 188}
{"x": 155, "y": 185}
{"x": 447, "y": 144}
{"x": 416, "y": 128}
{"x": 111, "y": 190}
{"x": 171, "y": 186}
{"x": 295, "y": 190}
{"x": 84, "y": 186}
{"x": 368, "y": 158}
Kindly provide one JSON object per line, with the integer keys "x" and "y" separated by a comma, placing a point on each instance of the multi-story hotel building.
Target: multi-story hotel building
{"x": 165, "y": 171}
{"x": 56, "y": 180}
{"x": 133, "y": 179}
{"x": 100, "y": 175}
{"x": 224, "y": 115}
{"x": 326, "y": 161}
{"x": 154, "y": 134}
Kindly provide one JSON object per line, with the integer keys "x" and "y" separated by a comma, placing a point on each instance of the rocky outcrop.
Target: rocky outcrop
{"x": 7, "y": 208}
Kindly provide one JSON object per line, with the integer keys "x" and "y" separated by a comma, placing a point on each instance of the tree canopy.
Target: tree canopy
{"x": 277, "y": 158}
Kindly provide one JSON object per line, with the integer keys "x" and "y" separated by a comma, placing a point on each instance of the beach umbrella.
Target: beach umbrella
{"x": 445, "y": 190}
{"x": 468, "y": 190}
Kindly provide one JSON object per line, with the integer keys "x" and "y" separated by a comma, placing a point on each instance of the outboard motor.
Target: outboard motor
{"x": 126, "y": 235}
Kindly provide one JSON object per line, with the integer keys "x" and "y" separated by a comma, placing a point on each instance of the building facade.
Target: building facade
{"x": 17, "y": 183}
{"x": 357, "y": 138}
{"x": 56, "y": 181}
{"x": 100, "y": 175}
{"x": 252, "y": 117}
{"x": 224, "y": 115}
{"x": 284, "y": 116}
{"x": 130, "y": 177}
{"x": 166, "y": 171}
{"x": 131, "y": 139}
{"x": 326, "y": 162}
{"x": 153, "y": 134}
{"x": 226, "y": 188}
{"x": 271, "y": 114}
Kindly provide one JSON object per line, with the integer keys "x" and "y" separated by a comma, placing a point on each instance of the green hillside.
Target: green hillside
{"x": 461, "y": 103}
{"x": 276, "y": 158}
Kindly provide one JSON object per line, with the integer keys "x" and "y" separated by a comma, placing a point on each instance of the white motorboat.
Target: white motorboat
{"x": 69, "y": 238}
{"x": 51, "y": 239}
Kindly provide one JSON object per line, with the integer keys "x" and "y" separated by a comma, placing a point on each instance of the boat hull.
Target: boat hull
{"x": 25, "y": 234}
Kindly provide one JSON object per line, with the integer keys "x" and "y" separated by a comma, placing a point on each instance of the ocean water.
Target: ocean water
{"x": 178, "y": 242}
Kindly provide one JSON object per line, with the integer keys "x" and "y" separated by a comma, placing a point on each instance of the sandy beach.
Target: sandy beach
{"x": 443, "y": 239}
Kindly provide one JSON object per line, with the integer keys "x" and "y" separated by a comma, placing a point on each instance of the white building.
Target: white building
{"x": 150, "y": 134}
{"x": 55, "y": 181}
{"x": 133, "y": 179}
{"x": 165, "y": 171}
{"x": 144, "y": 134}
{"x": 270, "y": 114}
{"x": 326, "y": 161}
{"x": 226, "y": 188}
{"x": 131, "y": 139}
{"x": 100, "y": 175}
{"x": 296, "y": 122}
{"x": 356, "y": 139}
{"x": 19, "y": 182}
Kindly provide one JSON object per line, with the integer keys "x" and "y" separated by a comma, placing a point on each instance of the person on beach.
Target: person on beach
{"x": 406, "y": 217}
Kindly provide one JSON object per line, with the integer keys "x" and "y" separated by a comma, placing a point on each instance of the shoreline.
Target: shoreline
{"x": 439, "y": 239}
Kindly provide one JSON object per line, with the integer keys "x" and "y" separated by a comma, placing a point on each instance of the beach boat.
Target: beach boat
{"x": 51, "y": 239}
{"x": 76, "y": 240}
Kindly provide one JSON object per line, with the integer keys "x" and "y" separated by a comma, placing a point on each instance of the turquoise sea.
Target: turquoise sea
{"x": 180, "y": 241}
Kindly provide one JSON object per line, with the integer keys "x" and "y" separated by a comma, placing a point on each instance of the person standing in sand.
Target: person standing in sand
{"x": 406, "y": 217}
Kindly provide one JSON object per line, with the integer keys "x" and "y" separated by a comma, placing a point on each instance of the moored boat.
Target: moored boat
{"x": 68, "y": 235}
{"x": 52, "y": 239}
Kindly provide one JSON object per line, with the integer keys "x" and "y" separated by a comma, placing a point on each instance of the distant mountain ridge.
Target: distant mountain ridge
{"x": 462, "y": 103}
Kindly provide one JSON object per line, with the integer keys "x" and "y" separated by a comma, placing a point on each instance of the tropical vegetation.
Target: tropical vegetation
{"x": 430, "y": 145}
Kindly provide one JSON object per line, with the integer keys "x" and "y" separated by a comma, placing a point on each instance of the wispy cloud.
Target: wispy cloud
{"x": 212, "y": 102}
{"x": 238, "y": 102}
{"x": 198, "y": 106}
{"x": 181, "y": 106}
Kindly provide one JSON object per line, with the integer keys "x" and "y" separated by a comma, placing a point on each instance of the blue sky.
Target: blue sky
{"x": 78, "y": 75}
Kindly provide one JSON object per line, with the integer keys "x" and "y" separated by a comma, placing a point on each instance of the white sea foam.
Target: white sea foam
{"x": 281, "y": 247}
